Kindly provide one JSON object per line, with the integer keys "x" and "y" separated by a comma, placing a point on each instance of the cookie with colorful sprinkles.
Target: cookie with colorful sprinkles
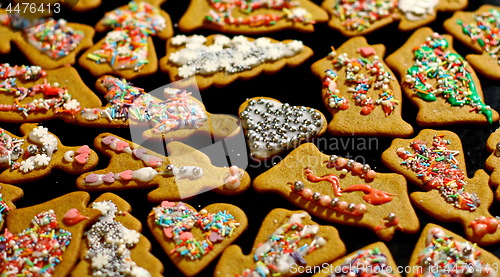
{"x": 185, "y": 173}
{"x": 44, "y": 240}
{"x": 434, "y": 161}
{"x": 361, "y": 92}
{"x": 8, "y": 194}
{"x": 440, "y": 252}
{"x": 114, "y": 246}
{"x": 252, "y": 17}
{"x": 37, "y": 153}
{"x": 193, "y": 239}
{"x": 342, "y": 191}
{"x": 286, "y": 239}
{"x": 218, "y": 60}
{"x": 127, "y": 50}
{"x": 440, "y": 82}
{"x": 372, "y": 260}
{"x": 479, "y": 30}
{"x": 45, "y": 42}
{"x": 493, "y": 162}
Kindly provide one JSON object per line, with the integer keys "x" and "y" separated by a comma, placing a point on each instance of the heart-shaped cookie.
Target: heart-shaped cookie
{"x": 287, "y": 241}
{"x": 186, "y": 234}
{"x": 272, "y": 127}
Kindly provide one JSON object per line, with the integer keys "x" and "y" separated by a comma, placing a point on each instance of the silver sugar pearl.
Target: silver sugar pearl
{"x": 351, "y": 207}
{"x": 316, "y": 196}
{"x": 391, "y": 217}
{"x": 335, "y": 202}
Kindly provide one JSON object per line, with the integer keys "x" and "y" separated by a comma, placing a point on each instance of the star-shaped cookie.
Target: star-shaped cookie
{"x": 341, "y": 191}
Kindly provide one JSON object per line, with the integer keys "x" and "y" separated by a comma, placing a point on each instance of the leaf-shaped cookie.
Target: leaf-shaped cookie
{"x": 341, "y": 191}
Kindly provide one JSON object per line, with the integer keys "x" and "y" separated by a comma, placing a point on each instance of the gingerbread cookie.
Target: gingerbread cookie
{"x": 272, "y": 127}
{"x": 127, "y": 50}
{"x": 356, "y": 18}
{"x": 32, "y": 94}
{"x": 479, "y": 31}
{"x": 37, "y": 152}
{"x": 193, "y": 239}
{"x": 185, "y": 173}
{"x": 463, "y": 258}
{"x": 493, "y": 162}
{"x": 8, "y": 194}
{"x": 44, "y": 239}
{"x": 433, "y": 161}
{"x": 49, "y": 43}
{"x": 448, "y": 91}
{"x": 361, "y": 92}
{"x": 253, "y": 17}
{"x": 114, "y": 246}
{"x": 218, "y": 60}
{"x": 341, "y": 191}
{"x": 373, "y": 260}
{"x": 286, "y": 240}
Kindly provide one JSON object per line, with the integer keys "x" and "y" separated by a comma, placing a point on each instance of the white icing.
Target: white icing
{"x": 186, "y": 172}
{"x": 68, "y": 156}
{"x": 145, "y": 174}
{"x": 417, "y": 9}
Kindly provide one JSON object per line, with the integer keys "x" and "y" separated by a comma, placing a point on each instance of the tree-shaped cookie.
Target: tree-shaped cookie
{"x": 37, "y": 152}
{"x": 493, "y": 161}
{"x": 341, "y": 191}
{"x": 48, "y": 43}
{"x": 286, "y": 240}
{"x": 434, "y": 161}
{"x": 193, "y": 239}
{"x": 127, "y": 50}
{"x": 439, "y": 81}
{"x": 373, "y": 260}
{"x": 114, "y": 246}
{"x": 356, "y": 18}
{"x": 463, "y": 258}
{"x": 252, "y": 17}
{"x": 45, "y": 239}
{"x": 361, "y": 92}
{"x": 8, "y": 194}
{"x": 479, "y": 31}
{"x": 177, "y": 116}
{"x": 32, "y": 94}
{"x": 219, "y": 60}
{"x": 185, "y": 173}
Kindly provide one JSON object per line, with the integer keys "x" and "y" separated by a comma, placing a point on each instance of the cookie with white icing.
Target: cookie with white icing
{"x": 217, "y": 60}
{"x": 186, "y": 172}
{"x": 272, "y": 127}
{"x": 37, "y": 152}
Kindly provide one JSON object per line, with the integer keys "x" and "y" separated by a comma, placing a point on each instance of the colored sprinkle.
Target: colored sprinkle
{"x": 4, "y": 209}
{"x": 437, "y": 168}
{"x": 453, "y": 79}
{"x": 369, "y": 262}
{"x": 359, "y": 15}
{"x": 24, "y": 72}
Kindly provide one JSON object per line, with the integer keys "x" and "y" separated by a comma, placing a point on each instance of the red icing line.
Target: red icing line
{"x": 372, "y": 196}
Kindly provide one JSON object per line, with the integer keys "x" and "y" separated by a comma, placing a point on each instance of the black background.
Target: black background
{"x": 296, "y": 86}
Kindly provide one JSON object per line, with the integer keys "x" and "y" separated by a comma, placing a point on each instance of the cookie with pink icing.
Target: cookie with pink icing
{"x": 184, "y": 173}
{"x": 37, "y": 152}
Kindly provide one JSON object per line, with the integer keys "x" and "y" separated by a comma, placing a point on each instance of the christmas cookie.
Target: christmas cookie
{"x": 361, "y": 92}
{"x": 286, "y": 240}
{"x": 193, "y": 239}
{"x": 49, "y": 43}
{"x": 252, "y": 17}
{"x": 32, "y": 94}
{"x": 341, "y": 191}
{"x": 114, "y": 246}
{"x": 127, "y": 50}
{"x": 373, "y": 260}
{"x": 44, "y": 238}
{"x": 434, "y": 161}
{"x": 218, "y": 60}
{"x": 356, "y": 18}
{"x": 493, "y": 161}
{"x": 185, "y": 173}
{"x": 272, "y": 127}
{"x": 8, "y": 194}
{"x": 463, "y": 258}
{"x": 439, "y": 81}
{"x": 177, "y": 116}
{"x": 37, "y": 152}
{"x": 479, "y": 31}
